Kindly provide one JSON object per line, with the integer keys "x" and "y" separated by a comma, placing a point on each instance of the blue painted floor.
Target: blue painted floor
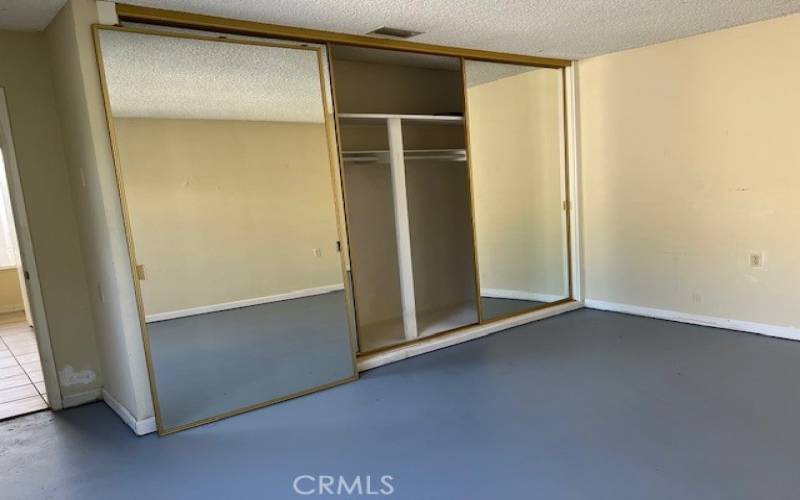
{"x": 586, "y": 405}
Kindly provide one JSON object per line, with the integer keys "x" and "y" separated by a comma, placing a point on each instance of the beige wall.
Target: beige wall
{"x": 516, "y": 148}
{"x": 223, "y": 211}
{"x": 10, "y": 294}
{"x": 97, "y": 208}
{"x": 25, "y": 75}
{"x": 690, "y": 162}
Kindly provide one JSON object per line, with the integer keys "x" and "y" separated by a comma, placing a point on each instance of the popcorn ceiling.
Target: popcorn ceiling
{"x": 164, "y": 77}
{"x": 572, "y": 29}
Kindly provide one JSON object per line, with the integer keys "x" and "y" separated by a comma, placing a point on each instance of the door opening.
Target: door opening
{"x": 25, "y": 361}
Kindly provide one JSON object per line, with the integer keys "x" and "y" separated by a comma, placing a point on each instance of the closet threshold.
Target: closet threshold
{"x": 381, "y": 117}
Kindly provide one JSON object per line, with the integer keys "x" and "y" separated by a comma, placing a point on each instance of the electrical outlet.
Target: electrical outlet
{"x": 317, "y": 252}
{"x": 757, "y": 260}
{"x": 100, "y": 294}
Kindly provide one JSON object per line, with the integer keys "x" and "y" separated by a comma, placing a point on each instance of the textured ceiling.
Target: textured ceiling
{"x": 163, "y": 77}
{"x": 558, "y": 28}
{"x": 27, "y": 15}
{"x": 479, "y": 72}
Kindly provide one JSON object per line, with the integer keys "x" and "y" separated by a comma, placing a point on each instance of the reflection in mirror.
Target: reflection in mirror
{"x": 223, "y": 158}
{"x": 516, "y": 141}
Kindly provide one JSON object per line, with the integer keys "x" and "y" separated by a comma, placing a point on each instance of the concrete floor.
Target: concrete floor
{"x": 586, "y": 405}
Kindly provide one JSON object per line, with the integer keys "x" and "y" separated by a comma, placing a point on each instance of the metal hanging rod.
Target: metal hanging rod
{"x": 454, "y": 155}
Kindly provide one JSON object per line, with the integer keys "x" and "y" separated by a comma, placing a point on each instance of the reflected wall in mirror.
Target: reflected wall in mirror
{"x": 225, "y": 169}
{"x": 517, "y": 161}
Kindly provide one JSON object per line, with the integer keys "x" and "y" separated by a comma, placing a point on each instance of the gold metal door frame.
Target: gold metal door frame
{"x": 164, "y": 17}
{"x": 221, "y": 25}
{"x": 566, "y": 207}
{"x": 119, "y": 175}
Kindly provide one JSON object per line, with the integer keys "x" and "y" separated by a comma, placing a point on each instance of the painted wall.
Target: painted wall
{"x": 690, "y": 161}
{"x": 516, "y": 147}
{"x": 97, "y": 207}
{"x": 223, "y": 211}
{"x": 10, "y": 294}
{"x": 25, "y": 75}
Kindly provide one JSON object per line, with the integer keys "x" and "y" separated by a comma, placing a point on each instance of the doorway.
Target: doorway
{"x": 22, "y": 378}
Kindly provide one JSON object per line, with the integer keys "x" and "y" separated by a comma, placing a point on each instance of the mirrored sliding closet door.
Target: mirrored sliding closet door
{"x": 517, "y": 161}
{"x": 225, "y": 174}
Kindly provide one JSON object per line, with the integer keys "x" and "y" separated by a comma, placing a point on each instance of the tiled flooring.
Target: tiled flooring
{"x": 21, "y": 380}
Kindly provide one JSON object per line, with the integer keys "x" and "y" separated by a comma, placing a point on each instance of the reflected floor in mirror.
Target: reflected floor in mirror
{"x": 495, "y": 308}
{"x": 210, "y": 364}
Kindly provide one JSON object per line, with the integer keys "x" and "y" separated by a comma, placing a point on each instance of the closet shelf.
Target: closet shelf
{"x": 379, "y": 117}
{"x": 382, "y": 156}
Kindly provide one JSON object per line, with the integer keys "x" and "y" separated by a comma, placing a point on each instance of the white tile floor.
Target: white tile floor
{"x": 21, "y": 380}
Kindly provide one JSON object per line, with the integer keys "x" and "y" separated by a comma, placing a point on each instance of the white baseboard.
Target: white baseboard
{"x": 80, "y": 398}
{"x": 783, "y": 332}
{"x": 463, "y": 335}
{"x": 499, "y": 293}
{"x": 139, "y": 427}
{"x": 193, "y": 311}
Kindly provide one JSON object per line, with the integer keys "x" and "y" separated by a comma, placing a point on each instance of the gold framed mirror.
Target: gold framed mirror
{"x": 223, "y": 155}
{"x": 518, "y": 165}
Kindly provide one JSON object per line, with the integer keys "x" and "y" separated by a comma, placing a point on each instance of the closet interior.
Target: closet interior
{"x": 407, "y": 195}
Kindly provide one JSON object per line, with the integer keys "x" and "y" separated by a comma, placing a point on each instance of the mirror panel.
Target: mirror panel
{"x": 517, "y": 162}
{"x": 225, "y": 170}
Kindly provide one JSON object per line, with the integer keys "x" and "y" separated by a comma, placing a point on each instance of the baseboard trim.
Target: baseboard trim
{"x": 139, "y": 427}
{"x": 783, "y": 332}
{"x": 193, "y": 311}
{"x": 500, "y": 293}
{"x": 80, "y": 398}
{"x": 462, "y": 335}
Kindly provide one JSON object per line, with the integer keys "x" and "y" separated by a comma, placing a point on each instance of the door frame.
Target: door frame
{"x": 28, "y": 258}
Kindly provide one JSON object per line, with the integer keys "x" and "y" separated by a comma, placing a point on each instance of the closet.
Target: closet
{"x": 406, "y": 192}
{"x": 325, "y": 196}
